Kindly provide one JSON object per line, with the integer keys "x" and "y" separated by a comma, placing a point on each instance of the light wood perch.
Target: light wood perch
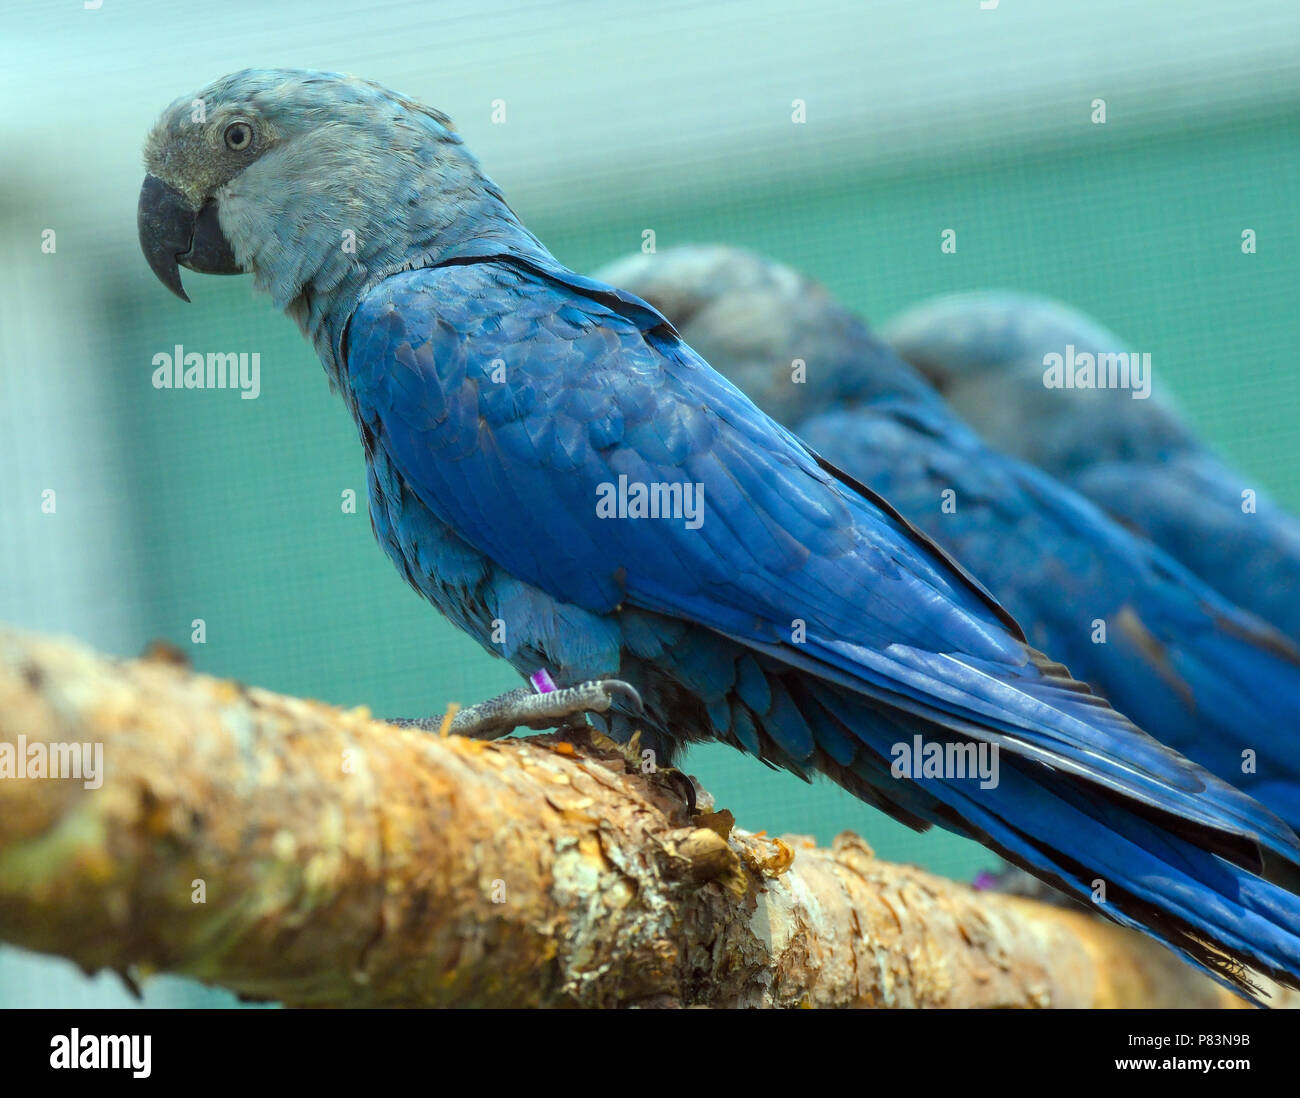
{"x": 342, "y": 861}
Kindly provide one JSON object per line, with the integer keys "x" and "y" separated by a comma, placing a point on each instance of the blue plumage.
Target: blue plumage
{"x": 499, "y": 397}
{"x": 1187, "y": 666}
{"x": 879, "y": 606}
{"x": 1135, "y": 458}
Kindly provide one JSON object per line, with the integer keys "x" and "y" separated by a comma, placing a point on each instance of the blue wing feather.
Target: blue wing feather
{"x": 1176, "y": 657}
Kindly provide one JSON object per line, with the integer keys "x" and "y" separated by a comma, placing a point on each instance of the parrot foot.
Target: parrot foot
{"x": 523, "y": 707}
{"x": 642, "y": 761}
{"x": 685, "y": 785}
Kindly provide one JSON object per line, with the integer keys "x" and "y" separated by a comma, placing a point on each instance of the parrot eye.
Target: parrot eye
{"x": 239, "y": 135}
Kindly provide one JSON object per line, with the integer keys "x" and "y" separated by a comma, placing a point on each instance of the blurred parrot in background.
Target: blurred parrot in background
{"x": 1136, "y": 458}
{"x": 1215, "y": 683}
{"x": 787, "y": 610}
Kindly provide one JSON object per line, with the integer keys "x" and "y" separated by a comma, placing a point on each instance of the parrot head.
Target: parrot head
{"x": 991, "y": 353}
{"x": 958, "y": 337}
{"x": 313, "y": 182}
{"x": 777, "y": 335}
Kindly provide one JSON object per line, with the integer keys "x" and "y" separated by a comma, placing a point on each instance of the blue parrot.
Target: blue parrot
{"x": 1205, "y": 678}
{"x": 1136, "y": 458}
{"x": 558, "y": 472}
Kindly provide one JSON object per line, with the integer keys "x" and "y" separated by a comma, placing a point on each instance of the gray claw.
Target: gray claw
{"x": 626, "y": 690}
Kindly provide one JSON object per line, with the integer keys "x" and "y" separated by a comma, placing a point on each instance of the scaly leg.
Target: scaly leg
{"x": 523, "y": 707}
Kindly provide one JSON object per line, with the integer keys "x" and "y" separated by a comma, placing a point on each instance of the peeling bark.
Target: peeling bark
{"x": 342, "y": 861}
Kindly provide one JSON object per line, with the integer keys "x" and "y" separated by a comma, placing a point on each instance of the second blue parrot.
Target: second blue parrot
{"x": 1200, "y": 675}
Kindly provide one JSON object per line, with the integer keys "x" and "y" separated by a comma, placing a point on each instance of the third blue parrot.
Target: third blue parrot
{"x": 1136, "y": 458}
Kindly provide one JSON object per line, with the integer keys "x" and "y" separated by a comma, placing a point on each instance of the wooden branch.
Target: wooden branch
{"x": 287, "y": 850}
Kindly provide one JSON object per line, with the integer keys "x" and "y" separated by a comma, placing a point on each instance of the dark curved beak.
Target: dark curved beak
{"x": 173, "y": 234}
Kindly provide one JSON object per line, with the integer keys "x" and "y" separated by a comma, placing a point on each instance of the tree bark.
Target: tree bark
{"x": 288, "y": 850}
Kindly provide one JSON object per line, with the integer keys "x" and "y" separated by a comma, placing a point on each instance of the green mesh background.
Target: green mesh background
{"x": 201, "y": 505}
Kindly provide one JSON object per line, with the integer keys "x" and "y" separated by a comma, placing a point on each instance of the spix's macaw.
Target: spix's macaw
{"x": 500, "y": 397}
{"x": 1200, "y": 675}
{"x": 1136, "y": 458}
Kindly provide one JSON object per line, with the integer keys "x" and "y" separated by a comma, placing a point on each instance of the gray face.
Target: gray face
{"x": 199, "y": 145}
{"x": 267, "y": 170}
